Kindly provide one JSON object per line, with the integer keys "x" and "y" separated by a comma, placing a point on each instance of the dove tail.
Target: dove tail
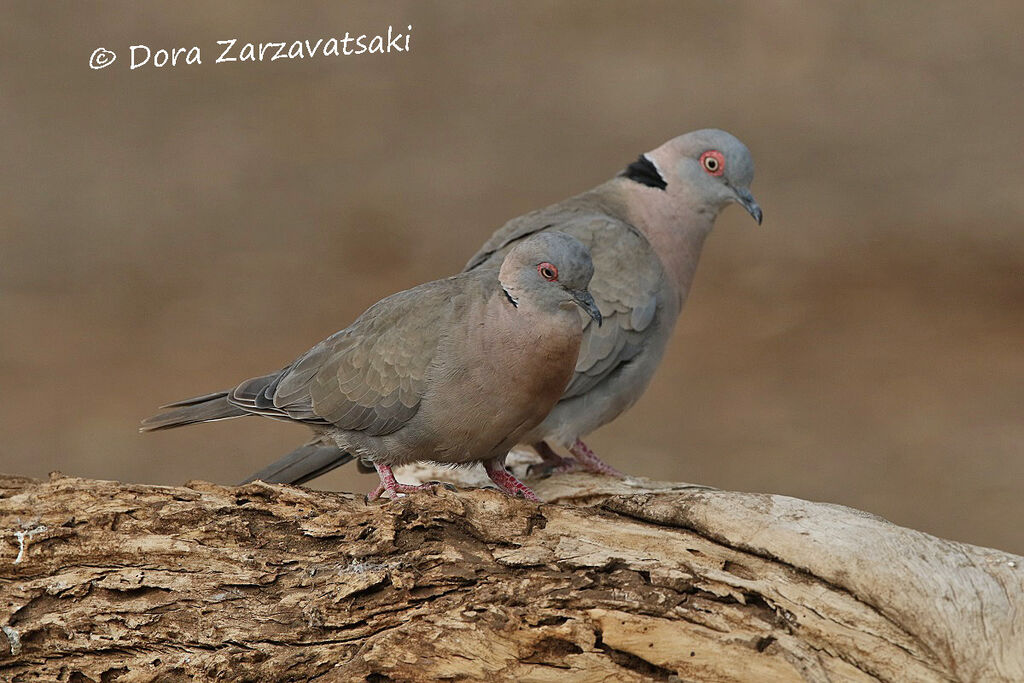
{"x": 304, "y": 463}
{"x": 206, "y": 408}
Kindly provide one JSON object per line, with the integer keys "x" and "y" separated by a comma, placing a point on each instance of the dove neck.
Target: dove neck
{"x": 676, "y": 226}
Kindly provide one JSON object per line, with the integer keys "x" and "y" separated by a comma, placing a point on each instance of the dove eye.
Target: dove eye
{"x": 548, "y": 271}
{"x": 713, "y": 162}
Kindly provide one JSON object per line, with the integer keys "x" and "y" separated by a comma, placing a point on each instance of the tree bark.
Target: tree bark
{"x": 610, "y": 581}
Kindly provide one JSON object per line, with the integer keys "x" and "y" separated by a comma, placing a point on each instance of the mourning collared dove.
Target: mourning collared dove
{"x": 454, "y": 371}
{"x": 645, "y": 229}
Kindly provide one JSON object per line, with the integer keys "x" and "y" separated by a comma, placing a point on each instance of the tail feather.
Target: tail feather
{"x": 208, "y": 408}
{"x": 253, "y": 397}
{"x": 195, "y": 400}
{"x": 257, "y": 393}
{"x": 303, "y": 464}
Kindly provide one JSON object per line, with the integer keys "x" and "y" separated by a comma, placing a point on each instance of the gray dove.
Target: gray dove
{"x": 645, "y": 229}
{"x": 453, "y": 371}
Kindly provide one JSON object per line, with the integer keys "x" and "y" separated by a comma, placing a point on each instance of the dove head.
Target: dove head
{"x": 707, "y": 169}
{"x": 550, "y": 270}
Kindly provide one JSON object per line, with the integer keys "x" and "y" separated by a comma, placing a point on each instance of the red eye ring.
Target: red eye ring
{"x": 713, "y": 162}
{"x": 548, "y": 271}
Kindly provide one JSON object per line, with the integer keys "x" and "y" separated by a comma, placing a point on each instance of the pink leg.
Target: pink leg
{"x": 508, "y": 483}
{"x": 551, "y": 460}
{"x": 590, "y": 462}
{"x": 391, "y": 485}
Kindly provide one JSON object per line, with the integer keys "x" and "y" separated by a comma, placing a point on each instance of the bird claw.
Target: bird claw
{"x": 539, "y": 470}
{"x": 395, "y": 489}
{"x": 585, "y": 459}
{"x": 447, "y": 485}
{"x": 550, "y": 466}
{"x": 542, "y": 470}
{"x": 508, "y": 484}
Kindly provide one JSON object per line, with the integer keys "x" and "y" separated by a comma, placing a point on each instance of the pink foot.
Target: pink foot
{"x": 551, "y": 461}
{"x": 392, "y": 486}
{"x": 586, "y": 459}
{"x": 508, "y": 483}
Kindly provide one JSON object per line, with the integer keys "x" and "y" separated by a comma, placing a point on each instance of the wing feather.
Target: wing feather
{"x": 627, "y": 283}
{"x": 369, "y": 377}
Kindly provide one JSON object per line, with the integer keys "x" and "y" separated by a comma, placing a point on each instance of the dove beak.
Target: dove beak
{"x": 746, "y": 200}
{"x": 587, "y": 303}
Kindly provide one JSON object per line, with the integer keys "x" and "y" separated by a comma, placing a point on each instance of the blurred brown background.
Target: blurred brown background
{"x": 168, "y": 232}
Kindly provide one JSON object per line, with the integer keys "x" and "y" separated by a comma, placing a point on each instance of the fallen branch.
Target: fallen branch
{"x": 614, "y": 581}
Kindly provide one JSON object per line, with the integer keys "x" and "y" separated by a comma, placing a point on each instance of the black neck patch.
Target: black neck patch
{"x": 644, "y": 171}
{"x": 515, "y": 304}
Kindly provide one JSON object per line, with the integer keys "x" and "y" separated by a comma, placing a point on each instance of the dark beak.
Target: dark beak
{"x": 587, "y": 303}
{"x": 746, "y": 200}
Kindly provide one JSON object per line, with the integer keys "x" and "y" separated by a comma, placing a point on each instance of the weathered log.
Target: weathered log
{"x": 611, "y": 581}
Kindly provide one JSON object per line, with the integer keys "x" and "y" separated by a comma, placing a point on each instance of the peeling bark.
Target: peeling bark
{"x": 612, "y": 581}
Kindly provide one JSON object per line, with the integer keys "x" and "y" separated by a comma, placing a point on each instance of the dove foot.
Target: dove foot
{"x": 551, "y": 462}
{"x": 584, "y": 459}
{"x": 507, "y": 482}
{"x": 394, "y": 488}
{"x": 587, "y": 460}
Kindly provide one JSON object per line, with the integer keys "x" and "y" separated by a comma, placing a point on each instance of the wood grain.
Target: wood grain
{"x": 611, "y": 581}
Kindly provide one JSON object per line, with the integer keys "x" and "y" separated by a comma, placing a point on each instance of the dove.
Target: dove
{"x": 453, "y": 371}
{"x": 645, "y": 229}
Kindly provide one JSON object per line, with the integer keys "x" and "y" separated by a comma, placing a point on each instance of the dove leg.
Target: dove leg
{"x": 590, "y": 462}
{"x": 507, "y": 482}
{"x": 390, "y": 485}
{"x": 548, "y": 455}
{"x": 551, "y": 462}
